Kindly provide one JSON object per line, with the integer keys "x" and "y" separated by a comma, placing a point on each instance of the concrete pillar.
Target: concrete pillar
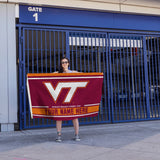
{"x": 8, "y": 72}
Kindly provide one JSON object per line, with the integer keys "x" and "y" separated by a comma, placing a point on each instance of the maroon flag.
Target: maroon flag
{"x": 64, "y": 96}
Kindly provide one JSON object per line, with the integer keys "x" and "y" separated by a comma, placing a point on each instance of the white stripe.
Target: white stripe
{"x": 66, "y": 116}
{"x": 64, "y": 77}
{"x": 92, "y": 104}
{"x": 29, "y": 98}
{"x": 59, "y": 107}
{"x": 40, "y": 106}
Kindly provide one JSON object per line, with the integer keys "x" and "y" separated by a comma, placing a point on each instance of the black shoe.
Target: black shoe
{"x": 76, "y": 138}
{"x": 58, "y": 139}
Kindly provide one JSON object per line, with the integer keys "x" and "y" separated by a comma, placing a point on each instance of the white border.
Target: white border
{"x": 30, "y": 104}
{"x": 65, "y": 116}
{"x": 39, "y": 78}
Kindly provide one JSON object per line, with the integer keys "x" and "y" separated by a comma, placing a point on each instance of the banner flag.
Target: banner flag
{"x": 64, "y": 96}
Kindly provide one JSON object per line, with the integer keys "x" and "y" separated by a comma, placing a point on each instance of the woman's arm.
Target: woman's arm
{"x": 73, "y": 71}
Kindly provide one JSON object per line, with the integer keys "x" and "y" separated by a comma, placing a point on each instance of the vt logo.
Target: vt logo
{"x": 56, "y": 92}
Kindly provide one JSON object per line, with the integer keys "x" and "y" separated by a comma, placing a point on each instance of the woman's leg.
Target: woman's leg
{"x": 76, "y": 126}
{"x": 59, "y": 127}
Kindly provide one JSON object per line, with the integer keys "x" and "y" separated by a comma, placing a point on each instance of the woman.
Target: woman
{"x": 64, "y": 69}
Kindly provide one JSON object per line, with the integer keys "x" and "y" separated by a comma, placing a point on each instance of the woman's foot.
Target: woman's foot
{"x": 59, "y": 139}
{"x": 76, "y": 138}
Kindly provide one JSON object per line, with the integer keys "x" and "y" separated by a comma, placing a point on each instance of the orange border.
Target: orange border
{"x": 64, "y": 74}
{"x": 42, "y": 111}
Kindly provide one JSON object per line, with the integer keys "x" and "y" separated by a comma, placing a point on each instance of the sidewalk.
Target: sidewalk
{"x": 121, "y": 141}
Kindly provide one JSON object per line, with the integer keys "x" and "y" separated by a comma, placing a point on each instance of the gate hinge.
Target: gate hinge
{"x": 21, "y": 63}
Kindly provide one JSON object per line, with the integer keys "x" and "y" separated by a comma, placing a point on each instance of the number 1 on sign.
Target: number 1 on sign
{"x": 36, "y": 16}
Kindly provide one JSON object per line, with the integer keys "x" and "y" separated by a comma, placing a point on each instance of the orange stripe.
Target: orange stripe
{"x": 93, "y": 109}
{"x": 64, "y": 74}
{"x": 65, "y": 111}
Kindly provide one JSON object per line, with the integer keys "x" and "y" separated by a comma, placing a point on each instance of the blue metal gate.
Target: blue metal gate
{"x": 130, "y": 63}
{"x": 134, "y": 76}
{"x": 153, "y": 66}
{"x": 128, "y": 75}
{"x": 40, "y": 51}
{"x": 87, "y": 50}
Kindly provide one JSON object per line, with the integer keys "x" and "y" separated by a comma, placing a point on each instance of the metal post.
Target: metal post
{"x": 146, "y": 77}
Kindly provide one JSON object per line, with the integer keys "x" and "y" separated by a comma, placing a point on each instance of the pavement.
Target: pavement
{"x": 120, "y": 141}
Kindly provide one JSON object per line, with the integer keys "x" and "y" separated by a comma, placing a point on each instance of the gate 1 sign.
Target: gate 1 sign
{"x": 84, "y": 18}
{"x": 64, "y": 96}
{"x": 31, "y": 14}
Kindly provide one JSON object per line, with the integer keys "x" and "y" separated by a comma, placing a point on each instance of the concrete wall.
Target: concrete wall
{"x": 127, "y": 6}
{"x": 8, "y": 74}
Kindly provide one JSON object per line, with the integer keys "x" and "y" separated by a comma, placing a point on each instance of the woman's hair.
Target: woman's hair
{"x": 61, "y": 68}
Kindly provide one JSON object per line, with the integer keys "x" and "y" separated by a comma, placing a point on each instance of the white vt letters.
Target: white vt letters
{"x": 72, "y": 85}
